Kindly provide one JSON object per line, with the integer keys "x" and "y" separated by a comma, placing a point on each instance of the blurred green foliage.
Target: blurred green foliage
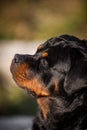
{"x": 40, "y": 19}
{"x": 14, "y": 101}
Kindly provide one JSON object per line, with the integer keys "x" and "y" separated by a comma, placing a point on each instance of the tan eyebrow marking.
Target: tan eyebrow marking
{"x": 40, "y": 47}
{"x": 44, "y": 54}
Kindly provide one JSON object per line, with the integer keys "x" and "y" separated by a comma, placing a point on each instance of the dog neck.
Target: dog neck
{"x": 43, "y": 103}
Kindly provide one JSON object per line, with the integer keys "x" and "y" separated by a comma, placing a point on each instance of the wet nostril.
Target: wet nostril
{"x": 17, "y": 58}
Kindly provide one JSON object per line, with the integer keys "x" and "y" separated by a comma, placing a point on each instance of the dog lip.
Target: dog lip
{"x": 40, "y": 96}
{"x": 30, "y": 92}
{"x": 13, "y": 66}
{"x": 33, "y": 94}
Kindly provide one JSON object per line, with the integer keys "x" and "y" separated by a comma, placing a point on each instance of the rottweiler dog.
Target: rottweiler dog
{"x": 56, "y": 75}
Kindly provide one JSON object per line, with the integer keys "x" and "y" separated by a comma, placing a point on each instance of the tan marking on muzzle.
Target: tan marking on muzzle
{"x": 34, "y": 83}
{"x": 37, "y": 86}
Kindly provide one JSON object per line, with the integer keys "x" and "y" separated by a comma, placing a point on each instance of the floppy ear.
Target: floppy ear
{"x": 76, "y": 77}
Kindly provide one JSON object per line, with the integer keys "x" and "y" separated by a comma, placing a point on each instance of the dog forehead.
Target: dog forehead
{"x": 48, "y": 44}
{"x": 65, "y": 40}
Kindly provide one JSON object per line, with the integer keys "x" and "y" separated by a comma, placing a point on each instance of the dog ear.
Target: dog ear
{"x": 76, "y": 77}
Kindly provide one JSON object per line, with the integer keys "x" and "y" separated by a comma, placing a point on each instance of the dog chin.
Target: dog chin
{"x": 30, "y": 92}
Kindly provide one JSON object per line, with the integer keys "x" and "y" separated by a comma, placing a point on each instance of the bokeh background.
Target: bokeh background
{"x": 24, "y": 24}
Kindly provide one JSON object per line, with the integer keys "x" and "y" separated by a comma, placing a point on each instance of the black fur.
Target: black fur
{"x": 63, "y": 71}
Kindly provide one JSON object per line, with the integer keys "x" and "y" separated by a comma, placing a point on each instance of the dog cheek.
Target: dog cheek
{"x": 53, "y": 87}
{"x": 36, "y": 86}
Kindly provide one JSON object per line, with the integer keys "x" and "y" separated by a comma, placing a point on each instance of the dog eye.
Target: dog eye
{"x": 44, "y": 64}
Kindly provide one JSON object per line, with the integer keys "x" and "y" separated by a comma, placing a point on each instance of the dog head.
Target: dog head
{"x": 58, "y": 67}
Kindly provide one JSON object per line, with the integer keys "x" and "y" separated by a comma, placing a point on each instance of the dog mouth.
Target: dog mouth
{"x": 32, "y": 85}
{"x": 33, "y": 94}
{"x": 30, "y": 92}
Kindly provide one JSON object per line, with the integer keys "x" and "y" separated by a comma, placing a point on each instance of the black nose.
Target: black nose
{"x": 18, "y": 58}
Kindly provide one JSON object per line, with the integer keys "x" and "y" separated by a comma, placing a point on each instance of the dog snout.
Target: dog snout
{"x": 18, "y": 58}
